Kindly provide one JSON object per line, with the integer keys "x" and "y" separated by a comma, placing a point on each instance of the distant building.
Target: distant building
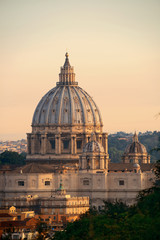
{"x": 67, "y": 143}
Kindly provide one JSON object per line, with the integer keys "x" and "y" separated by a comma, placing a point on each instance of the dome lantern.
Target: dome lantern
{"x": 67, "y": 75}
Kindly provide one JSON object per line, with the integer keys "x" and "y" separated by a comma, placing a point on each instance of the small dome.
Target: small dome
{"x": 93, "y": 146}
{"x": 136, "y": 165}
{"x": 136, "y": 146}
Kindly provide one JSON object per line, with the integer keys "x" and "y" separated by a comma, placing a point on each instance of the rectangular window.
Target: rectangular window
{"x": 20, "y": 183}
{"x": 65, "y": 144}
{"x": 79, "y": 144}
{"x": 52, "y": 142}
{"x": 47, "y": 183}
{"x": 121, "y": 182}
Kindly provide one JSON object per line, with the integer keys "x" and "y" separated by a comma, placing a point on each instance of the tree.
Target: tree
{"x": 13, "y": 158}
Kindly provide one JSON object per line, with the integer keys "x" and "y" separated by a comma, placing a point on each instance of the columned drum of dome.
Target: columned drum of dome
{"x": 63, "y": 121}
{"x": 93, "y": 158}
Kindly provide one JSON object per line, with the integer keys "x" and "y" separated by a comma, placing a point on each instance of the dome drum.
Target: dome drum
{"x": 55, "y": 146}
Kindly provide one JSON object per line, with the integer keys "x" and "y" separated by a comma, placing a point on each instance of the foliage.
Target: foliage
{"x": 9, "y": 157}
{"x": 42, "y": 229}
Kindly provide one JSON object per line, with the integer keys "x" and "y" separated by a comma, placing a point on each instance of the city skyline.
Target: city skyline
{"x": 113, "y": 46}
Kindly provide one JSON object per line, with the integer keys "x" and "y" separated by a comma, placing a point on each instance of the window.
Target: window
{"x": 52, "y": 142}
{"x": 86, "y": 182}
{"x": 79, "y": 144}
{"x": 65, "y": 144}
{"x": 121, "y": 182}
{"x": 20, "y": 183}
{"x": 47, "y": 183}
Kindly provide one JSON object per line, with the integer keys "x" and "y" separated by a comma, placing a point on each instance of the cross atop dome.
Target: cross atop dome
{"x": 67, "y": 64}
{"x": 67, "y": 75}
{"x": 135, "y": 137}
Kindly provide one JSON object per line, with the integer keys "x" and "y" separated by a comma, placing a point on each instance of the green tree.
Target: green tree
{"x": 12, "y": 158}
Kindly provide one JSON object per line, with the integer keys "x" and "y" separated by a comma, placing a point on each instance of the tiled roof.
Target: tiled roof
{"x": 129, "y": 166}
{"x": 35, "y": 168}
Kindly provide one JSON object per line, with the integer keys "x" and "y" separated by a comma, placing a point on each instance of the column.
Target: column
{"x": 93, "y": 163}
{"x": 105, "y": 142}
{"x": 101, "y": 162}
{"x": 83, "y": 162}
{"x": 73, "y": 144}
{"x": 33, "y": 139}
{"x": 28, "y": 143}
{"x": 43, "y": 143}
{"x": 86, "y": 139}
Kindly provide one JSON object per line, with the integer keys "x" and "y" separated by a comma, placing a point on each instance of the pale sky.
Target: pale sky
{"x": 113, "y": 45}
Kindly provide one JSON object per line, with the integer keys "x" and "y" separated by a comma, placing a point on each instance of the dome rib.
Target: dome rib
{"x": 87, "y": 98}
{"x": 59, "y": 120}
{"x": 50, "y": 104}
{"x": 39, "y": 108}
{"x": 71, "y": 105}
{"x": 82, "y": 106}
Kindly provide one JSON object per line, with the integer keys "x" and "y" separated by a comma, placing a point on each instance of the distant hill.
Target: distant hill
{"x": 119, "y": 141}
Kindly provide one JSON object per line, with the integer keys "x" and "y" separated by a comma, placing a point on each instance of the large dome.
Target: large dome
{"x": 67, "y": 103}
{"x": 63, "y": 122}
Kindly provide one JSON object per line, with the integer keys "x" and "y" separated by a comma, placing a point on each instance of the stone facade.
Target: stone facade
{"x": 68, "y": 144}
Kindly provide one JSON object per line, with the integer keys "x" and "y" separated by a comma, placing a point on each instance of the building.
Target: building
{"x": 67, "y": 143}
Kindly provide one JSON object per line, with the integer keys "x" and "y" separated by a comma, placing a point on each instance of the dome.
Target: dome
{"x": 136, "y": 165}
{"x": 93, "y": 146}
{"x": 67, "y": 103}
{"x": 135, "y": 147}
{"x": 63, "y": 122}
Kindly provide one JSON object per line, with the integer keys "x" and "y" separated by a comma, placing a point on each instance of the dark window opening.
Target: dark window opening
{"x": 86, "y": 182}
{"x": 47, "y": 183}
{"x": 79, "y": 144}
{"x": 65, "y": 144}
{"x": 52, "y": 142}
{"x": 121, "y": 182}
{"x": 20, "y": 183}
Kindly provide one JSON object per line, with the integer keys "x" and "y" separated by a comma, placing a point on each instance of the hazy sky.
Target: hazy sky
{"x": 113, "y": 45}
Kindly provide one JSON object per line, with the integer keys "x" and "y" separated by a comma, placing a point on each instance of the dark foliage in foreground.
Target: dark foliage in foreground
{"x": 120, "y": 222}
{"x": 12, "y": 158}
